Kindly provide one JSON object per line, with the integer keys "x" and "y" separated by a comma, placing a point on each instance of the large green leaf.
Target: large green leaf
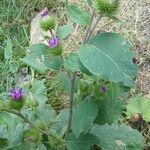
{"x": 73, "y": 63}
{"x": 64, "y": 31}
{"x": 108, "y": 56}
{"x": 140, "y": 105}
{"x": 40, "y": 58}
{"x": 83, "y": 116}
{"x": 78, "y": 15}
{"x": 83, "y": 142}
{"x": 117, "y": 137}
{"x": 111, "y": 106}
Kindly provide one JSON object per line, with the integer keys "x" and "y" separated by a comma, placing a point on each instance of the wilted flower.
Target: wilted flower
{"x": 136, "y": 60}
{"x": 103, "y": 89}
{"x": 17, "y": 93}
{"x": 53, "y": 42}
{"x": 45, "y": 13}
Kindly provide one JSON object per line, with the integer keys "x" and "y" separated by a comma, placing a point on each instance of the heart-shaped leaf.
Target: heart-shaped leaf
{"x": 117, "y": 137}
{"x": 108, "y": 56}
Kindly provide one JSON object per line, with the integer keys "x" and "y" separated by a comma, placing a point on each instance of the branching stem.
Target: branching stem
{"x": 50, "y": 133}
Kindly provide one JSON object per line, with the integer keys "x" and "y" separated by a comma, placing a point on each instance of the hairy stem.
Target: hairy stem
{"x": 87, "y": 31}
{"x": 93, "y": 28}
{"x": 72, "y": 81}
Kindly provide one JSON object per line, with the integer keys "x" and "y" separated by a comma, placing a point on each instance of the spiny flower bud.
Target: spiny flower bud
{"x": 17, "y": 93}
{"x": 17, "y": 100}
{"x": 48, "y": 22}
{"x": 107, "y": 7}
{"x": 53, "y": 42}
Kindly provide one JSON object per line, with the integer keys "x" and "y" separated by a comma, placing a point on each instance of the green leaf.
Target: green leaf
{"x": 83, "y": 142}
{"x": 73, "y": 63}
{"x": 8, "y": 50}
{"x": 64, "y": 31}
{"x": 40, "y": 58}
{"x": 14, "y": 127}
{"x": 61, "y": 120}
{"x": 108, "y": 56}
{"x": 64, "y": 79}
{"x": 23, "y": 146}
{"x": 43, "y": 113}
{"x": 78, "y": 15}
{"x": 83, "y": 116}
{"x": 140, "y": 105}
{"x": 111, "y": 106}
{"x": 41, "y": 147}
{"x": 39, "y": 92}
{"x": 117, "y": 137}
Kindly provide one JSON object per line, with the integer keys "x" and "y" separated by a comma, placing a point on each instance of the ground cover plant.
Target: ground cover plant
{"x": 96, "y": 78}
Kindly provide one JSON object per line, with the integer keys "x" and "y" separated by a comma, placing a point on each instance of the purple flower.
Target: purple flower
{"x": 44, "y": 13}
{"x": 53, "y": 42}
{"x": 103, "y": 89}
{"x": 16, "y": 93}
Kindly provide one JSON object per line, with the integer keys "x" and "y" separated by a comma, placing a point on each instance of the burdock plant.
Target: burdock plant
{"x": 95, "y": 78}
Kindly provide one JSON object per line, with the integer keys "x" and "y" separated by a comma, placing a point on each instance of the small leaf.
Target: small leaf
{"x": 8, "y": 50}
{"x": 73, "y": 63}
{"x": 83, "y": 142}
{"x": 61, "y": 120}
{"x": 40, "y": 58}
{"x": 64, "y": 31}
{"x": 83, "y": 116}
{"x": 78, "y": 15}
{"x": 38, "y": 92}
{"x": 139, "y": 105}
{"x": 111, "y": 106}
{"x": 117, "y": 137}
{"x": 108, "y": 56}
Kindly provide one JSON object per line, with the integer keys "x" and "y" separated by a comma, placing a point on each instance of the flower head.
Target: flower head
{"x": 45, "y": 13}
{"x": 103, "y": 89}
{"x": 53, "y": 42}
{"x": 16, "y": 93}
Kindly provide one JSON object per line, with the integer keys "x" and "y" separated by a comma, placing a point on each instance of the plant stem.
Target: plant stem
{"x": 87, "y": 31}
{"x": 93, "y": 28}
{"x": 72, "y": 81}
{"x": 50, "y": 133}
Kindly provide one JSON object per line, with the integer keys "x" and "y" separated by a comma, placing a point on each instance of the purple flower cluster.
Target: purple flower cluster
{"x": 17, "y": 93}
{"x": 53, "y": 42}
